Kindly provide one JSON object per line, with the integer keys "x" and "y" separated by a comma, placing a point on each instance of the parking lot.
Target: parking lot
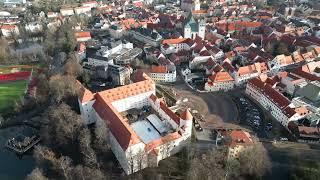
{"x": 252, "y": 116}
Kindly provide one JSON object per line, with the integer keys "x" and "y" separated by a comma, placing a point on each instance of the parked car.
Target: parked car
{"x": 242, "y": 99}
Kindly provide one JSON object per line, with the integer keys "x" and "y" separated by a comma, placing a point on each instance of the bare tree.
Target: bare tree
{"x": 88, "y": 154}
{"x": 36, "y": 174}
{"x": 63, "y": 127}
{"x": 209, "y": 166}
{"x": 72, "y": 66}
{"x": 62, "y": 86}
{"x": 101, "y": 133}
{"x": 254, "y": 161}
{"x": 85, "y": 173}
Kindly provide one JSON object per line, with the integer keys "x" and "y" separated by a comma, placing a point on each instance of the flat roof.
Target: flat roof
{"x": 157, "y": 123}
{"x": 145, "y": 131}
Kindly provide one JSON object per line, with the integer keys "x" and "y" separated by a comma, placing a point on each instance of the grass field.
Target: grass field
{"x": 9, "y": 93}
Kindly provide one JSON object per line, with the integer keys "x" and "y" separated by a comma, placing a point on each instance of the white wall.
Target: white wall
{"x": 137, "y": 101}
{"x": 87, "y": 112}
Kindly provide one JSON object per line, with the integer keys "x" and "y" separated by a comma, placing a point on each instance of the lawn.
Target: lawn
{"x": 11, "y": 92}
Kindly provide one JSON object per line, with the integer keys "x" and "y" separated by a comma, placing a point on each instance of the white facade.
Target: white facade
{"x": 87, "y": 112}
{"x": 240, "y": 80}
{"x": 34, "y": 27}
{"x": 219, "y": 86}
{"x": 9, "y": 30}
{"x": 277, "y": 112}
{"x": 174, "y": 48}
{"x": 66, "y": 12}
{"x": 82, "y": 10}
{"x": 164, "y": 77}
{"x": 131, "y": 102}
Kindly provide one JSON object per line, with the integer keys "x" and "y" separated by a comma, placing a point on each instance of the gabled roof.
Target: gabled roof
{"x": 84, "y": 94}
{"x": 240, "y": 137}
{"x": 116, "y": 123}
{"x": 186, "y": 115}
{"x": 159, "y": 69}
{"x": 174, "y": 41}
{"x": 220, "y": 77}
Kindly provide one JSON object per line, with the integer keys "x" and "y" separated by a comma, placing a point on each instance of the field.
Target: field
{"x": 11, "y": 92}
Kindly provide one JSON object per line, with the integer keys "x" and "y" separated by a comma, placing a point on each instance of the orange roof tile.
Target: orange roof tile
{"x": 199, "y": 11}
{"x": 158, "y": 142}
{"x": 186, "y": 115}
{"x": 8, "y": 27}
{"x": 240, "y": 137}
{"x": 159, "y": 69}
{"x": 174, "y": 41}
{"x": 82, "y": 34}
{"x": 220, "y": 77}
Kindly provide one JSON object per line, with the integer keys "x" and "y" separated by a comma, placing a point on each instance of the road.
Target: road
{"x": 218, "y": 109}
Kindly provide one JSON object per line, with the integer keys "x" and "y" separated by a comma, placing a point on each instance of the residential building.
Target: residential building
{"x": 220, "y": 81}
{"x": 9, "y": 30}
{"x": 83, "y": 36}
{"x": 118, "y": 74}
{"x": 142, "y": 142}
{"x": 163, "y": 73}
{"x": 243, "y": 74}
{"x": 96, "y": 60}
{"x": 34, "y": 27}
{"x": 67, "y": 12}
{"x": 273, "y": 101}
{"x": 169, "y": 46}
{"x": 239, "y": 141}
{"x": 145, "y": 35}
{"x": 82, "y": 10}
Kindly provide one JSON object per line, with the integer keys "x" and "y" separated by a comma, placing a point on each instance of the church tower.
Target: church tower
{"x": 202, "y": 28}
{"x": 197, "y": 5}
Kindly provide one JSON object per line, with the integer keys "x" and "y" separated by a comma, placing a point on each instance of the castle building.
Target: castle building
{"x": 142, "y": 141}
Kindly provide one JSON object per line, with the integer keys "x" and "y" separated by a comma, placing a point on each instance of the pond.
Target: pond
{"x": 14, "y": 167}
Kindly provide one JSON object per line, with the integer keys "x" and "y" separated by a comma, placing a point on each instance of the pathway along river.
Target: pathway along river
{"x": 13, "y": 167}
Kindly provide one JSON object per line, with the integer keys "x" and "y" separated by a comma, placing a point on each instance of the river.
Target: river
{"x": 13, "y": 167}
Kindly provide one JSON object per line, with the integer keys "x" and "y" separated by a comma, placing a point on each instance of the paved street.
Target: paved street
{"x": 218, "y": 108}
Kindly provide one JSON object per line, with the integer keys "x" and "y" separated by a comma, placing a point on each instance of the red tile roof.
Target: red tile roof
{"x": 220, "y": 77}
{"x": 186, "y": 115}
{"x": 171, "y": 114}
{"x": 174, "y": 41}
{"x": 240, "y": 137}
{"x": 83, "y": 34}
{"x": 158, "y": 142}
{"x": 306, "y": 75}
{"x": 116, "y": 123}
{"x": 159, "y": 69}
{"x": 84, "y": 94}
{"x": 8, "y": 27}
